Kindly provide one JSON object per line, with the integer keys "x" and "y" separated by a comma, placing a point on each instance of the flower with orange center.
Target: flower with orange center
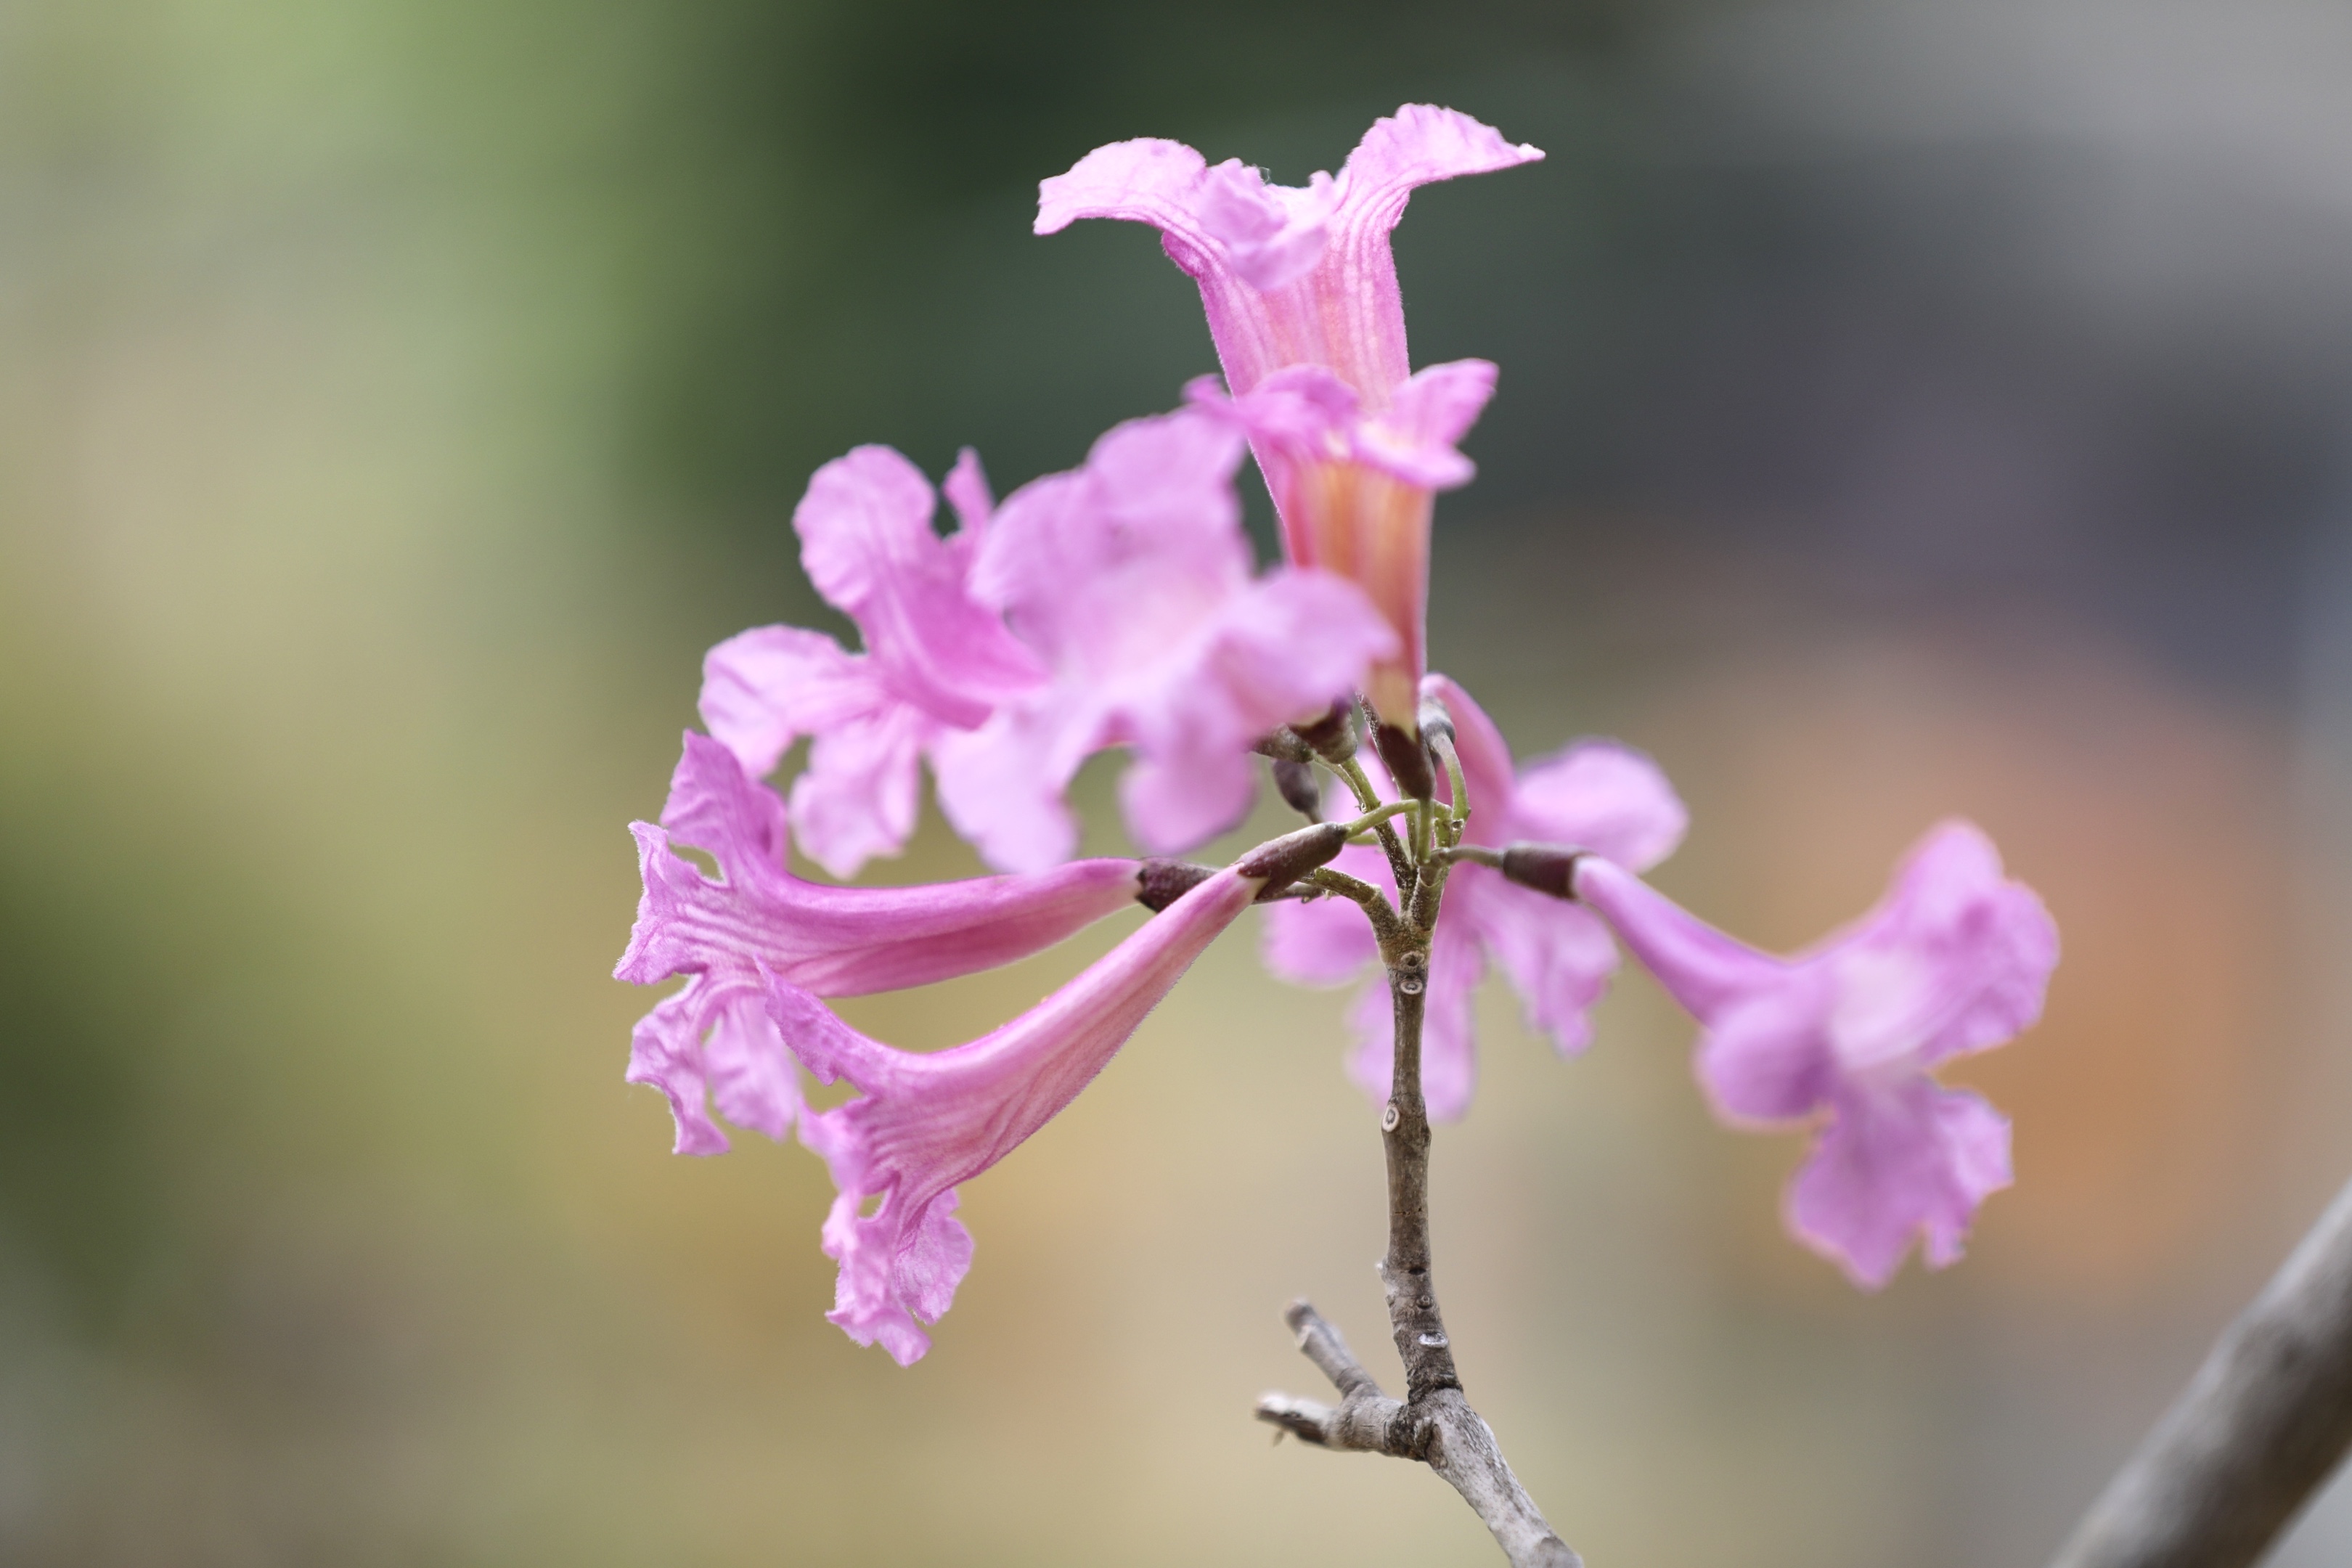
{"x": 1301, "y": 293}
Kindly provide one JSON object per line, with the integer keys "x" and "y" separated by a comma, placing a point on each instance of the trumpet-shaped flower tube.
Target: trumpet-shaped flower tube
{"x": 1287, "y": 276}
{"x": 1300, "y": 283}
{"x": 1131, "y": 579}
{"x": 936, "y": 662}
{"x": 924, "y": 1124}
{"x": 1594, "y": 792}
{"x": 1954, "y": 959}
{"x": 757, "y": 922}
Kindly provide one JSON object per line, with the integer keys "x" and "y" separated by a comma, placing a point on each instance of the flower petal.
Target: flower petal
{"x": 1270, "y": 235}
{"x": 1418, "y": 145}
{"x": 1308, "y": 413}
{"x": 1559, "y": 957}
{"x": 1764, "y": 1060}
{"x": 891, "y": 1268}
{"x": 1175, "y": 799}
{"x": 1289, "y": 644}
{"x": 1305, "y": 408}
{"x": 1132, "y": 576}
{"x": 742, "y": 1061}
{"x": 857, "y": 798}
{"x": 1148, "y": 180}
{"x": 718, "y": 808}
{"x": 1986, "y": 944}
{"x": 765, "y": 688}
{"x": 867, "y": 542}
{"x": 1603, "y": 796}
{"x": 1415, "y": 439}
{"x": 1914, "y": 1162}
{"x": 1098, "y": 563}
{"x": 1001, "y": 786}
{"x": 666, "y": 1051}
{"x": 754, "y": 1079}
{"x": 966, "y": 487}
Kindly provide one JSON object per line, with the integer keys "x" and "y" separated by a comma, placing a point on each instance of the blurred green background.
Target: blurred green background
{"x": 1907, "y": 410}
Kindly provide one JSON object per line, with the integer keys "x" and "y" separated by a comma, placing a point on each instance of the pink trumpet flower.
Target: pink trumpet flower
{"x": 936, "y": 662}
{"x": 1131, "y": 579}
{"x": 1300, "y": 288}
{"x": 757, "y": 922}
{"x": 1594, "y": 792}
{"x": 1954, "y": 959}
{"x": 926, "y": 1123}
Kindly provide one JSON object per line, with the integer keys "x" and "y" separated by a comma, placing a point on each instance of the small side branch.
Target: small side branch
{"x": 1386, "y": 928}
{"x": 2262, "y": 1425}
{"x": 1401, "y": 863}
{"x": 1364, "y": 1416}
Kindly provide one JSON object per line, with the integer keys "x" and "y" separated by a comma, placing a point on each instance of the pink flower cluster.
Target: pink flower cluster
{"x": 1113, "y": 605}
{"x": 1116, "y": 606}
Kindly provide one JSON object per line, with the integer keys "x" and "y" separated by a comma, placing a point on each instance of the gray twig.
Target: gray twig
{"x": 2262, "y": 1425}
{"x": 1364, "y": 1415}
{"x": 1433, "y": 1423}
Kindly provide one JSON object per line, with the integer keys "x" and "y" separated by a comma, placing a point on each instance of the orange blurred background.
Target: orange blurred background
{"x": 1905, "y": 412}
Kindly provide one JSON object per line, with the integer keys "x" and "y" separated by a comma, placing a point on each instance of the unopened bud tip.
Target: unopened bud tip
{"x": 1281, "y": 861}
{"x": 1546, "y": 868}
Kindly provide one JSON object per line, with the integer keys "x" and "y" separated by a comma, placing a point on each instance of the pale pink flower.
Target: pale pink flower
{"x": 1597, "y": 793}
{"x": 1954, "y": 959}
{"x": 1304, "y": 278}
{"x": 935, "y": 662}
{"x": 757, "y": 921}
{"x": 926, "y": 1122}
{"x": 1131, "y": 579}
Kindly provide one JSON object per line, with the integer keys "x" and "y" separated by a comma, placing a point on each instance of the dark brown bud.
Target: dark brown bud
{"x": 1284, "y": 745}
{"x": 1165, "y": 881}
{"x": 1282, "y": 861}
{"x": 1299, "y": 787}
{"x": 1335, "y": 737}
{"x": 1546, "y": 868}
{"x": 1407, "y": 757}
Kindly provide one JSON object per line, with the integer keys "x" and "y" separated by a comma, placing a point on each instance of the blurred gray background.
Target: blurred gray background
{"x": 1907, "y": 410}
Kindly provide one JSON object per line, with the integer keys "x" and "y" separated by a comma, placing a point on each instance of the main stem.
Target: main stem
{"x": 1413, "y": 1316}
{"x": 1433, "y": 1423}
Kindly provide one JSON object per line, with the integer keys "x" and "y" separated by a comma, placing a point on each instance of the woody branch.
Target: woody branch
{"x": 1435, "y": 1423}
{"x": 2261, "y": 1426}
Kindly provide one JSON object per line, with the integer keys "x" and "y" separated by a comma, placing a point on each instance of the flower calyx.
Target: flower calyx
{"x": 1279, "y": 862}
{"x": 1300, "y": 790}
{"x": 1337, "y": 736}
{"x": 1406, "y": 756}
{"x": 1547, "y": 868}
{"x": 1282, "y": 863}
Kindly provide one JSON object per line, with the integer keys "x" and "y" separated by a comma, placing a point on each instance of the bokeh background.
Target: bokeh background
{"x": 1907, "y": 409}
